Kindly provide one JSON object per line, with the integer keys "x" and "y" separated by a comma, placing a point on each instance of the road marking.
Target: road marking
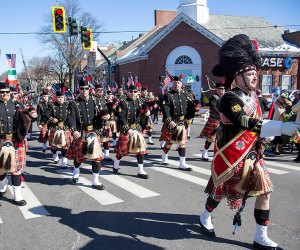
{"x": 270, "y": 170}
{"x": 1, "y": 221}
{"x": 101, "y": 196}
{"x": 195, "y": 168}
{"x": 33, "y": 208}
{"x": 178, "y": 174}
{"x": 281, "y": 165}
{"x": 127, "y": 185}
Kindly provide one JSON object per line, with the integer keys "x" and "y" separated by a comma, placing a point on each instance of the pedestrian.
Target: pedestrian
{"x": 262, "y": 101}
{"x": 131, "y": 140}
{"x": 15, "y": 123}
{"x": 214, "y": 119}
{"x": 84, "y": 119}
{"x": 238, "y": 169}
{"x": 296, "y": 110}
{"x": 178, "y": 108}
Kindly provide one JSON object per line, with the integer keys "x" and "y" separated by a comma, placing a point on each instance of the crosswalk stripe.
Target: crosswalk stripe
{"x": 33, "y": 208}
{"x": 178, "y": 174}
{"x": 281, "y": 165}
{"x": 101, "y": 196}
{"x": 195, "y": 168}
{"x": 1, "y": 221}
{"x": 127, "y": 185}
{"x": 270, "y": 170}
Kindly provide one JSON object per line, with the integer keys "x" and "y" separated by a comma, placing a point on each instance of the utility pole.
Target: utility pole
{"x": 108, "y": 63}
{"x": 25, "y": 67}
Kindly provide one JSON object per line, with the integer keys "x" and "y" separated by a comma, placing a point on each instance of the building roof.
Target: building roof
{"x": 218, "y": 29}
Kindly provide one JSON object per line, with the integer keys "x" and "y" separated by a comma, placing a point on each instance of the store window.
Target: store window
{"x": 184, "y": 60}
{"x": 266, "y": 84}
{"x": 286, "y": 82}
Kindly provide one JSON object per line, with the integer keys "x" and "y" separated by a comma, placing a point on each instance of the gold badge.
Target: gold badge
{"x": 164, "y": 102}
{"x": 120, "y": 110}
{"x": 236, "y": 108}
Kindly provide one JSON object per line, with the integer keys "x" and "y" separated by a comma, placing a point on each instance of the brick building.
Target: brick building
{"x": 187, "y": 42}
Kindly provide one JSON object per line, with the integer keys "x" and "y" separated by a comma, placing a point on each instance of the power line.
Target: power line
{"x": 142, "y": 31}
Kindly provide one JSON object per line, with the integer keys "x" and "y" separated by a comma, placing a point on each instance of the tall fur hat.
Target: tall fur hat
{"x": 236, "y": 56}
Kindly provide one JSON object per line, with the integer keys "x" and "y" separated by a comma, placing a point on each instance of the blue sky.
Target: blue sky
{"x": 116, "y": 15}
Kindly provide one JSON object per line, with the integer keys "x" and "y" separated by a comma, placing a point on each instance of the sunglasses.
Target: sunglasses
{"x": 14, "y": 93}
{"x": 99, "y": 90}
{"x": 87, "y": 88}
{"x": 4, "y": 92}
{"x": 133, "y": 91}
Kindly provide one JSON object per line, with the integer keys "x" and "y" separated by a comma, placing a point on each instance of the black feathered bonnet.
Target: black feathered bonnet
{"x": 237, "y": 55}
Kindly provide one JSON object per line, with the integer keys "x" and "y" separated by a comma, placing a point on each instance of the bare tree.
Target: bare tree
{"x": 68, "y": 49}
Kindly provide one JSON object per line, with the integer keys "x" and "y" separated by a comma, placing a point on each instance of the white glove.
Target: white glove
{"x": 289, "y": 128}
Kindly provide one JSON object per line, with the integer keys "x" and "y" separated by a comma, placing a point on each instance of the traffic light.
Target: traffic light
{"x": 73, "y": 26}
{"x": 59, "y": 19}
{"x": 86, "y": 38}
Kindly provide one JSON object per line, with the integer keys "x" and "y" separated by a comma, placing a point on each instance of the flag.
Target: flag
{"x": 11, "y": 61}
{"x": 53, "y": 91}
{"x": 166, "y": 81}
{"x": 12, "y": 76}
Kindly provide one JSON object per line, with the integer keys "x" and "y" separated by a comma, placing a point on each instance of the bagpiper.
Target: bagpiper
{"x": 60, "y": 135}
{"x": 131, "y": 140}
{"x": 238, "y": 169}
{"x": 14, "y": 125}
{"x": 102, "y": 106}
{"x": 178, "y": 108}
{"x": 84, "y": 122}
{"x": 214, "y": 119}
{"x": 112, "y": 103}
{"x": 44, "y": 109}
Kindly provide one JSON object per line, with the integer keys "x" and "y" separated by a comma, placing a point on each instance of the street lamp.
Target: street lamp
{"x": 104, "y": 76}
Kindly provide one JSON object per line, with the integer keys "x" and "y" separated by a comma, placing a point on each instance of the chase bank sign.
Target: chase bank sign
{"x": 277, "y": 62}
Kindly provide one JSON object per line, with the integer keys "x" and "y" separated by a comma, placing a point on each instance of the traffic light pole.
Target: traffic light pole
{"x": 109, "y": 65}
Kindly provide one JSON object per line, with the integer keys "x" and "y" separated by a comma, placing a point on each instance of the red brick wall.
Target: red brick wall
{"x": 183, "y": 35}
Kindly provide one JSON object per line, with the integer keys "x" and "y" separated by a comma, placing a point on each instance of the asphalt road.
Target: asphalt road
{"x": 159, "y": 213}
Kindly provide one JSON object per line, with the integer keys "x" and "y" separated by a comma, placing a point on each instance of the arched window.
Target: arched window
{"x": 184, "y": 60}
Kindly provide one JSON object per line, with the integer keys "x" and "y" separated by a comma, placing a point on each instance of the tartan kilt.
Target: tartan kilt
{"x": 20, "y": 155}
{"x": 75, "y": 150}
{"x": 210, "y": 129}
{"x": 67, "y": 135}
{"x": 227, "y": 189}
{"x": 122, "y": 148}
{"x": 167, "y": 136}
{"x": 43, "y": 134}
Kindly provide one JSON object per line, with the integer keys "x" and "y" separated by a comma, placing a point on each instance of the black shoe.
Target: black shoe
{"x": 151, "y": 143}
{"x": 55, "y": 162}
{"x": 20, "y": 203}
{"x": 75, "y": 180}
{"x": 186, "y": 169}
{"x": 99, "y": 187}
{"x": 44, "y": 150}
{"x": 165, "y": 164}
{"x": 256, "y": 245}
{"x": 143, "y": 176}
{"x": 297, "y": 159}
{"x": 204, "y": 159}
{"x": 2, "y": 194}
{"x": 115, "y": 170}
{"x": 207, "y": 232}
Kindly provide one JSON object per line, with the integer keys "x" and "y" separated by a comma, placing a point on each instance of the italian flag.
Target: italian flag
{"x": 12, "y": 76}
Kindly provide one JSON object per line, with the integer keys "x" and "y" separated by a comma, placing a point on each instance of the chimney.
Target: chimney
{"x": 195, "y": 9}
{"x": 164, "y": 17}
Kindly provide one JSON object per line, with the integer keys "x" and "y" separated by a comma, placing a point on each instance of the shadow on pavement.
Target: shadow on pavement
{"x": 132, "y": 226}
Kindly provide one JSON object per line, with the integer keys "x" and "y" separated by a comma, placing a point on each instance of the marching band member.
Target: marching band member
{"x": 84, "y": 122}
{"x": 14, "y": 124}
{"x": 214, "y": 119}
{"x": 112, "y": 103}
{"x": 131, "y": 141}
{"x": 60, "y": 136}
{"x": 145, "y": 118}
{"x": 44, "y": 109}
{"x": 177, "y": 109}
{"x": 238, "y": 170}
{"x": 102, "y": 106}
